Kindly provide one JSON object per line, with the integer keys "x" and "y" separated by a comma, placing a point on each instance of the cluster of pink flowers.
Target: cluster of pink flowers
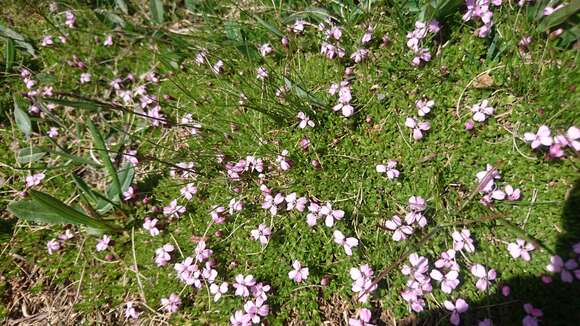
{"x": 557, "y": 144}
{"x": 253, "y": 310}
{"x": 567, "y": 269}
{"x": 249, "y": 165}
{"x": 491, "y": 191}
{"x": 344, "y": 97}
{"x": 189, "y": 270}
{"x": 34, "y": 89}
{"x": 362, "y": 282}
{"x": 415, "y": 40}
{"x": 480, "y": 10}
{"x": 389, "y": 169}
{"x": 413, "y": 218}
{"x": 419, "y": 282}
{"x": 55, "y": 245}
{"x": 331, "y": 48}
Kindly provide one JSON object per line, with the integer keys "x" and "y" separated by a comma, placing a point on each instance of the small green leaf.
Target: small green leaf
{"x": 30, "y": 154}
{"x": 125, "y": 175}
{"x": 43, "y": 208}
{"x": 268, "y": 26}
{"x": 22, "y": 118}
{"x": 10, "y": 54}
{"x": 157, "y": 11}
{"x": 18, "y": 39}
{"x": 104, "y": 154}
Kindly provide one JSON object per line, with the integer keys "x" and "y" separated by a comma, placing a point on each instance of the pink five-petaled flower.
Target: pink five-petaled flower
{"x": 484, "y": 277}
{"x": 235, "y": 205}
{"x": 347, "y": 243}
{"x": 239, "y": 318}
{"x": 521, "y": 249}
{"x": 218, "y": 214}
{"x": 418, "y": 127}
{"x": 149, "y": 225}
{"x": 262, "y": 233}
{"x": 256, "y": 309}
{"x": 462, "y": 240}
{"x": 34, "y": 180}
{"x": 283, "y": 160}
{"x": 261, "y": 73}
{"x": 171, "y": 304}
{"x": 511, "y": 193}
{"x": 293, "y": 202}
{"x": 188, "y": 191}
{"x": 53, "y": 246}
{"x": 541, "y": 137}
{"x": 448, "y": 281}
{"x": 557, "y": 265}
{"x": 103, "y": 244}
{"x": 173, "y": 210}
{"x": 299, "y": 273}
{"x": 531, "y": 319}
{"x": 130, "y": 311}
{"x": 401, "y": 231}
{"x": 218, "y": 290}
{"x": 424, "y": 106}
{"x": 364, "y": 318}
{"x": 359, "y": 55}
{"x": 389, "y": 169}
{"x": 481, "y": 111}
{"x": 331, "y": 214}
{"x": 162, "y": 256}
{"x": 52, "y": 132}
{"x": 419, "y": 266}
{"x": 459, "y": 307}
{"x": 242, "y": 283}
{"x": 447, "y": 261}
{"x": 304, "y": 121}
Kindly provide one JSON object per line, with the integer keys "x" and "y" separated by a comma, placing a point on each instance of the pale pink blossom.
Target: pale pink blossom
{"x": 188, "y": 191}
{"x": 218, "y": 290}
{"x": 85, "y": 78}
{"x": 347, "y": 243}
{"x": 532, "y": 315}
{"x": 457, "y": 308}
{"x": 150, "y": 225}
{"x": 53, "y": 246}
{"x": 462, "y": 241}
{"x": 520, "y": 249}
{"x": 400, "y": 230}
{"x": 173, "y": 209}
{"x": 299, "y": 273}
{"x": 34, "y": 180}
{"x": 52, "y": 132}
{"x": 364, "y": 318}
{"x": 481, "y": 111}
{"x": 389, "y": 169}
{"x": 418, "y": 127}
{"x": 262, "y": 233}
{"x": 265, "y": 49}
{"x": 305, "y": 121}
{"x": 103, "y": 243}
{"x": 541, "y": 137}
{"x": 449, "y": 281}
{"x": 424, "y": 106}
{"x": 171, "y": 304}
{"x": 484, "y": 277}
{"x": 242, "y": 283}
{"x": 130, "y": 311}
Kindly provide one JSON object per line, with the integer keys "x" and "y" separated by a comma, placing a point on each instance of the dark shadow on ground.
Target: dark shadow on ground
{"x": 559, "y": 301}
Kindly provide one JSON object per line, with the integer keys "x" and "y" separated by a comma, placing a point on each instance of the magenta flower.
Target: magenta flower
{"x": 188, "y": 191}
{"x": 542, "y": 137}
{"x": 305, "y": 121}
{"x": 299, "y": 273}
{"x": 533, "y": 314}
{"x": 242, "y": 283}
{"x": 448, "y": 281}
{"x": 218, "y": 290}
{"x": 424, "y": 106}
{"x": 364, "y": 318}
{"x": 262, "y": 233}
{"x": 130, "y": 311}
{"x": 34, "y": 180}
{"x": 462, "y": 240}
{"x": 334, "y": 32}
{"x": 457, "y": 308}
{"x": 149, "y": 225}
{"x": 389, "y": 169}
{"x": 129, "y": 194}
{"x": 400, "y": 230}
{"x": 481, "y": 111}
{"x": 418, "y": 127}
{"x": 259, "y": 291}
{"x": 103, "y": 244}
{"x": 173, "y": 210}
{"x": 347, "y": 243}
{"x": 520, "y": 248}
{"x": 484, "y": 277}
{"x": 235, "y": 205}
{"x": 188, "y": 272}
{"x": 53, "y": 246}
{"x": 417, "y": 204}
{"x": 171, "y": 304}
{"x": 298, "y": 26}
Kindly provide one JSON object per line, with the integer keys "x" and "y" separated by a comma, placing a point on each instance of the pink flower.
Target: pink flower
{"x": 131, "y": 157}
{"x": 173, "y": 210}
{"x": 52, "y": 246}
{"x": 162, "y": 256}
{"x": 533, "y": 314}
{"x": 335, "y": 32}
{"x": 171, "y": 304}
{"x": 542, "y": 137}
{"x": 256, "y": 309}
{"x": 419, "y": 266}
{"x": 292, "y": 202}
{"x": 34, "y": 180}
{"x": 129, "y": 194}
{"x": 201, "y": 57}
{"x": 103, "y": 244}
{"x": 262, "y": 233}
{"x": 265, "y": 49}
{"x": 235, "y": 205}
{"x": 188, "y": 191}
{"x": 389, "y": 169}
{"x": 548, "y": 10}
{"x": 462, "y": 240}
{"x": 520, "y": 249}
{"x": 108, "y": 40}
{"x": 299, "y": 273}
{"x": 218, "y": 290}
{"x": 218, "y": 67}
{"x": 401, "y": 231}
{"x": 130, "y": 311}
{"x": 69, "y": 19}
{"x": 424, "y": 106}
{"x": 347, "y": 243}
{"x": 557, "y": 265}
{"x": 359, "y": 55}
{"x": 417, "y": 127}
{"x": 457, "y": 308}
{"x": 67, "y": 235}
{"x": 149, "y": 225}
{"x": 448, "y": 281}
{"x": 447, "y": 261}
{"x": 85, "y": 78}
{"x": 283, "y": 160}
{"x": 481, "y": 111}
{"x": 485, "y": 322}
{"x": 330, "y": 214}
{"x": 511, "y": 193}
{"x": 417, "y": 204}
{"x": 305, "y": 121}
{"x": 486, "y": 178}
{"x": 46, "y": 41}
{"x": 242, "y": 283}
{"x": 262, "y": 73}
{"x": 364, "y": 318}
{"x": 484, "y": 277}
{"x": 362, "y": 281}
{"x": 52, "y": 132}
{"x": 239, "y": 318}
{"x": 368, "y": 35}
{"x": 298, "y": 26}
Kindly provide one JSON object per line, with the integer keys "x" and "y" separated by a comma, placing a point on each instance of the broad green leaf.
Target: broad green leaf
{"x": 21, "y": 117}
{"x": 104, "y": 154}
{"x": 30, "y": 154}
{"x": 125, "y": 175}
{"x": 85, "y": 189}
{"x": 18, "y": 39}
{"x": 43, "y": 208}
{"x": 560, "y": 16}
{"x": 157, "y": 11}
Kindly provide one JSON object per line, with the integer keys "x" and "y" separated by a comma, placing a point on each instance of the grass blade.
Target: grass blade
{"x": 10, "y": 54}
{"x": 104, "y": 154}
{"x": 157, "y": 11}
